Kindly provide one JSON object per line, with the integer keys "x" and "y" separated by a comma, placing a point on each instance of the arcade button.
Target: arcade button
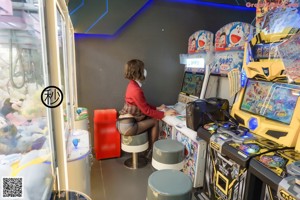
{"x": 272, "y": 161}
{"x": 249, "y": 148}
{"x": 226, "y": 125}
{"x": 210, "y": 127}
{"x": 229, "y": 125}
{"x": 243, "y": 129}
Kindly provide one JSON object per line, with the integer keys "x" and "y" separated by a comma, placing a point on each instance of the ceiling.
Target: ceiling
{"x": 108, "y": 17}
{"x": 231, "y": 2}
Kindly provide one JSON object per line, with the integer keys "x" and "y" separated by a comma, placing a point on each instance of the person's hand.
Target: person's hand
{"x": 161, "y": 107}
{"x": 170, "y": 112}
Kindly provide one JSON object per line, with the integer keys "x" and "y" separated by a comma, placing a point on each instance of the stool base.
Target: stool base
{"x": 135, "y": 161}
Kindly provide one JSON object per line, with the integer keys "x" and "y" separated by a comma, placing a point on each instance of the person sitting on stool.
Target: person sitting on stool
{"x": 137, "y": 115}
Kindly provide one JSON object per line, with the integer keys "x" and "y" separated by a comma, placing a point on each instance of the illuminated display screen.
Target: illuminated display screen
{"x": 275, "y": 101}
{"x": 195, "y": 63}
{"x": 192, "y": 83}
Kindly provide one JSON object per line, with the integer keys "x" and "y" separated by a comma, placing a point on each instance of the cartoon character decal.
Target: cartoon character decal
{"x": 192, "y": 44}
{"x": 232, "y": 36}
{"x": 222, "y": 40}
{"x": 200, "y": 41}
{"x": 225, "y": 61}
{"x": 236, "y": 35}
{"x": 191, "y": 154}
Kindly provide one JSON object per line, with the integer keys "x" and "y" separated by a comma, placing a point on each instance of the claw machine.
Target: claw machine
{"x": 36, "y": 74}
{"x": 27, "y": 156}
{"x": 73, "y": 148}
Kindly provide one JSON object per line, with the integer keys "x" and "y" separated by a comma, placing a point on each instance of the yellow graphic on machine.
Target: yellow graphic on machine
{"x": 285, "y": 195}
{"x": 215, "y": 146}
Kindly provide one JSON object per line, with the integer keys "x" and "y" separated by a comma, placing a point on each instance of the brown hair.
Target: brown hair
{"x": 134, "y": 70}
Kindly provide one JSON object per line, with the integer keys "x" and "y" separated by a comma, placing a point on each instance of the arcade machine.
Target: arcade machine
{"x": 264, "y": 112}
{"x": 193, "y": 87}
{"x": 194, "y": 78}
{"x": 276, "y": 173}
{"x": 229, "y": 47}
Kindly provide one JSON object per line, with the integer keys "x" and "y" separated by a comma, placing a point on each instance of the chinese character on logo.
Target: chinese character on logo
{"x": 52, "y": 96}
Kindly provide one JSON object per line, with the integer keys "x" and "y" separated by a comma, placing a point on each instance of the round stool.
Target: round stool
{"x": 168, "y": 154}
{"x": 169, "y": 184}
{"x": 135, "y": 144}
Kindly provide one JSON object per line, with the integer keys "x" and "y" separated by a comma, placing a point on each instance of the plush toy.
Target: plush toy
{"x": 8, "y": 134}
{"x": 32, "y": 106}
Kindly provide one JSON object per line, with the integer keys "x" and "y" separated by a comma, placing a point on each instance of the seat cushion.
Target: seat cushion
{"x": 135, "y": 144}
{"x": 168, "y": 151}
{"x": 169, "y": 184}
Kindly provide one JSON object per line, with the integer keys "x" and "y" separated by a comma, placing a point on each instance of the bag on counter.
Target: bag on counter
{"x": 203, "y": 111}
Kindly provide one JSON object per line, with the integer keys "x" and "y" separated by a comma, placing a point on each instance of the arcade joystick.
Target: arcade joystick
{"x": 229, "y": 125}
{"x": 210, "y": 127}
{"x": 243, "y": 129}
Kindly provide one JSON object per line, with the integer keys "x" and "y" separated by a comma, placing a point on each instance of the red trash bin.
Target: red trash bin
{"x": 107, "y": 140}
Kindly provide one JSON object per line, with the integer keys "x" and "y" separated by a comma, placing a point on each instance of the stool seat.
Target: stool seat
{"x": 135, "y": 144}
{"x": 169, "y": 184}
{"x": 168, "y": 154}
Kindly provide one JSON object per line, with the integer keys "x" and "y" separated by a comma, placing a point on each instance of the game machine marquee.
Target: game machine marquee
{"x": 194, "y": 83}
{"x": 221, "y": 173}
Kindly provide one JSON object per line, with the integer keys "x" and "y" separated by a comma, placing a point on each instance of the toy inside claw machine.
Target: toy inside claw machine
{"x": 27, "y": 167}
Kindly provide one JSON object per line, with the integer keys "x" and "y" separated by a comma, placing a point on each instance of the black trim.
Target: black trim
{"x": 276, "y": 134}
{"x": 233, "y": 154}
{"x": 239, "y": 119}
{"x": 204, "y": 134}
{"x": 264, "y": 174}
{"x": 254, "y": 187}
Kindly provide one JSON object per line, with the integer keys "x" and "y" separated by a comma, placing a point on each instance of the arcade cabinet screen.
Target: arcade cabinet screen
{"x": 192, "y": 84}
{"x": 275, "y": 101}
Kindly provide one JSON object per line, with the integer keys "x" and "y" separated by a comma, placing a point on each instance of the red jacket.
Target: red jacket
{"x": 135, "y": 96}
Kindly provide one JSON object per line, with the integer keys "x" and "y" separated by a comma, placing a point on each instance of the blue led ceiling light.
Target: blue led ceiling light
{"x": 212, "y": 4}
{"x": 120, "y": 29}
{"x": 253, "y": 123}
{"x": 112, "y": 36}
{"x": 77, "y": 7}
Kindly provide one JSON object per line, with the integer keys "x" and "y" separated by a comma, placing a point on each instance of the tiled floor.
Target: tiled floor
{"x": 111, "y": 180}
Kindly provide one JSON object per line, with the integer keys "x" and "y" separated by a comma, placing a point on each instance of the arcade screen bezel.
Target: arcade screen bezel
{"x": 267, "y": 99}
{"x": 188, "y": 73}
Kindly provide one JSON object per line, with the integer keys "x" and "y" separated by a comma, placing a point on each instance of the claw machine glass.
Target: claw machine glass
{"x": 27, "y": 160}
{"x": 76, "y": 164}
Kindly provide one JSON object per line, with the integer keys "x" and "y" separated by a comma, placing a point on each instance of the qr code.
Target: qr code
{"x": 12, "y": 187}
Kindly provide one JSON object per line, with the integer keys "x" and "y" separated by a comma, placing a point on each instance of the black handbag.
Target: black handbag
{"x": 204, "y": 111}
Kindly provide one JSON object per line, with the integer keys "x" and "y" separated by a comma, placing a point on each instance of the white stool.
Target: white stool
{"x": 135, "y": 144}
{"x": 169, "y": 184}
{"x": 168, "y": 154}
